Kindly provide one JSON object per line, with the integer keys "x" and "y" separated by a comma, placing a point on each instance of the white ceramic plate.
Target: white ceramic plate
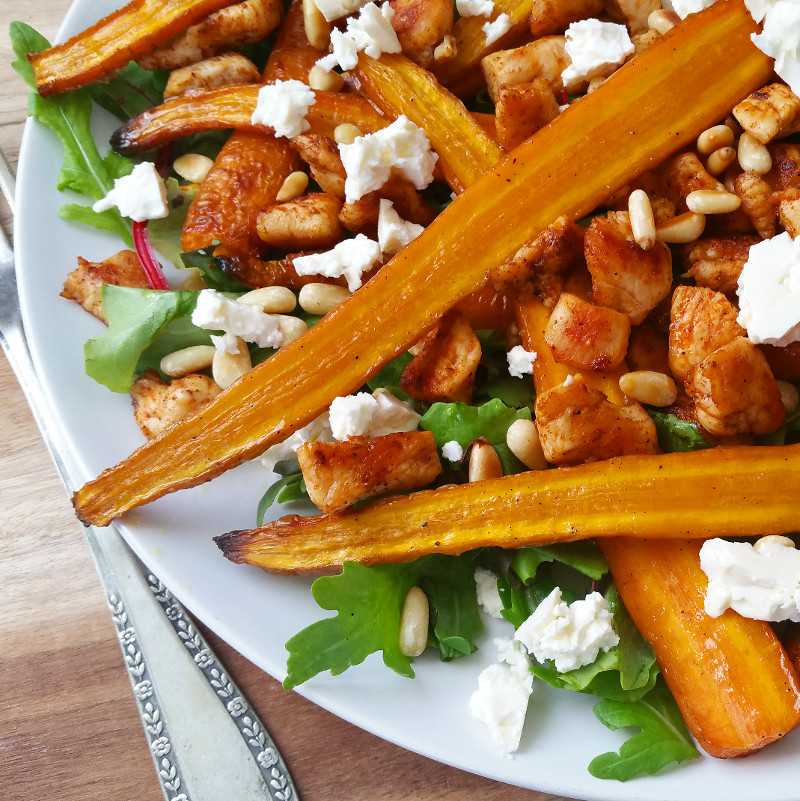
{"x": 256, "y": 612}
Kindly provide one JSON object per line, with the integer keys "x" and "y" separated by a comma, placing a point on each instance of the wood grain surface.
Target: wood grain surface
{"x": 69, "y": 729}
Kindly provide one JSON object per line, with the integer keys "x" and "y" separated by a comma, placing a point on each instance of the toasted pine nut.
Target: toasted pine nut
{"x": 446, "y": 50}
{"x": 710, "y": 201}
{"x": 733, "y": 124}
{"x": 789, "y": 395}
{"x": 325, "y": 81}
{"x": 193, "y": 282}
{"x": 646, "y": 386}
{"x": 773, "y": 539}
{"x": 594, "y": 83}
{"x": 346, "y": 133}
{"x": 413, "y": 633}
{"x": 318, "y": 29}
{"x": 188, "y": 360}
{"x": 753, "y": 156}
{"x": 294, "y": 186}
{"x": 291, "y": 327}
{"x": 272, "y": 299}
{"x": 641, "y": 215}
{"x": 683, "y": 228}
{"x": 321, "y": 298}
{"x": 228, "y": 367}
{"x": 730, "y": 176}
{"x": 192, "y": 166}
{"x": 523, "y": 441}
{"x": 714, "y": 138}
{"x": 661, "y": 20}
{"x": 484, "y": 462}
{"x": 720, "y": 160}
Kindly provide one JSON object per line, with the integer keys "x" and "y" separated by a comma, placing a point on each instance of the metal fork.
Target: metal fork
{"x": 206, "y": 741}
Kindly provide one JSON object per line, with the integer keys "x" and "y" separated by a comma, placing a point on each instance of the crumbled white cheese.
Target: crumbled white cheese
{"x": 335, "y": 9}
{"x": 351, "y": 258}
{"x": 780, "y": 36}
{"x": 520, "y": 361}
{"x": 769, "y": 291}
{"x": 496, "y": 28}
{"x": 226, "y": 343}
{"x": 141, "y": 195}
{"x": 475, "y": 8}
{"x": 318, "y": 429}
{"x": 760, "y": 581}
{"x": 596, "y": 49}
{"x": 572, "y": 635}
{"x": 371, "y": 31}
{"x": 488, "y": 596}
{"x": 369, "y": 160}
{"x": 215, "y": 312}
{"x": 501, "y": 700}
{"x": 394, "y": 233}
{"x": 685, "y": 7}
{"x": 365, "y": 415}
{"x": 452, "y": 451}
{"x": 283, "y": 106}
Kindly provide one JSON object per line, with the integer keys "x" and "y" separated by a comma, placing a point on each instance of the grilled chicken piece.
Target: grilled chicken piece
{"x": 222, "y": 70}
{"x": 157, "y": 404}
{"x": 322, "y": 156}
{"x": 420, "y": 25}
{"x": 338, "y": 474}
{"x": 685, "y": 173}
{"x": 785, "y": 172}
{"x": 84, "y": 284}
{"x": 555, "y": 16}
{"x": 735, "y": 392}
{"x": 522, "y": 109}
{"x": 632, "y": 13}
{"x": 311, "y": 222}
{"x": 717, "y": 263}
{"x": 772, "y": 112}
{"x": 586, "y": 336}
{"x": 757, "y": 202}
{"x": 789, "y": 210}
{"x": 579, "y": 424}
{"x": 702, "y": 321}
{"x": 625, "y": 277}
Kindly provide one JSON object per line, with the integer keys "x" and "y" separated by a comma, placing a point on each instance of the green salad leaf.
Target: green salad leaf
{"x": 675, "y": 434}
{"x": 213, "y": 276}
{"x": 130, "y": 91}
{"x": 288, "y": 488}
{"x": 583, "y": 556}
{"x": 389, "y": 376}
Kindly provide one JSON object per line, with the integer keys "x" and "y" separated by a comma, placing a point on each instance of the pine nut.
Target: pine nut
{"x": 773, "y": 539}
{"x": 730, "y": 176}
{"x": 292, "y": 328}
{"x": 733, "y": 124}
{"x": 446, "y": 50}
{"x": 662, "y": 20}
{"x": 714, "y": 138}
{"x": 523, "y": 441}
{"x": 295, "y": 184}
{"x": 595, "y": 83}
{"x": 187, "y": 360}
{"x": 789, "y": 395}
{"x": 720, "y": 160}
{"x": 321, "y": 298}
{"x": 683, "y": 228}
{"x": 646, "y": 386}
{"x": 753, "y": 156}
{"x": 192, "y": 167}
{"x": 228, "y": 367}
{"x": 193, "y": 282}
{"x": 484, "y": 462}
{"x": 317, "y": 28}
{"x": 346, "y": 133}
{"x": 710, "y": 201}
{"x": 272, "y": 299}
{"x": 641, "y": 215}
{"x": 414, "y": 620}
{"x": 325, "y": 81}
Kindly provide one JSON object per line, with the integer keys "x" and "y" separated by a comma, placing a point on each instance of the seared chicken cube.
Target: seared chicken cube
{"x": 420, "y": 25}
{"x": 223, "y": 70}
{"x": 577, "y": 423}
{"x": 324, "y": 162}
{"x": 338, "y": 474}
{"x": 625, "y": 277}
{"x": 586, "y": 336}
{"x": 756, "y": 196}
{"x": 311, "y": 222}
{"x": 735, "y": 392}
{"x": 785, "y": 172}
{"x": 717, "y": 263}
{"x": 522, "y": 109}
{"x": 632, "y": 13}
{"x": 771, "y": 112}
{"x": 555, "y": 16}
{"x": 789, "y": 210}
{"x": 684, "y": 174}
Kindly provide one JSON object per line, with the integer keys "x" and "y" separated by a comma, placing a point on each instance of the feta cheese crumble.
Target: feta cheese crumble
{"x": 318, "y": 430}
{"x": 452, "y": 451}
{"x": 496, "y": 28}
{"x": 351, "y": 258}
{"x": 335, "y": 9}
{"x": 371, "y": 31}
{"x": 369, "y": 160}
{"x": 520, "y": 361}
{"x": 780, "y": 36}
{"x": 596, "y": 49}
{"x": 214, "y": 312}
{"x": 685, "y": 7}
{"x": 760, "y": 581}
{"x": 571, "y": 635}
{"x": 141, "y": 195}
{"x": 394, "y": 233}
{"x": 475, "y": 8}
{"x": 283, "y": 106}
{"x": 488, "y": 596}
{"x": 769, "y": 291}
{"x": 365, "y": 415}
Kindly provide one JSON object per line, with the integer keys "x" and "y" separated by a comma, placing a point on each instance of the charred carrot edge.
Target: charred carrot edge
{"x": 232, "y": 107}
{"x": 396, "y": 85}
{"x": 136, "y": 29}
{"x": 556, "y": 172}
{"x": 732, "y": 679}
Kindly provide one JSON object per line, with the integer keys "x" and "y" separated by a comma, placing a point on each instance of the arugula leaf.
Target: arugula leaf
{"x": 521, "y": 599}
{"x": 389, "y": 376}
{"x": 663, "y": 737}
{"x": 203, "y": 260}
{"x": 130, "y": 91}
{"x": 516, "y": 392}
{"x": 585, "y": 557}
{"x": 675, "y": 434}
{"x": 289, "y": 488}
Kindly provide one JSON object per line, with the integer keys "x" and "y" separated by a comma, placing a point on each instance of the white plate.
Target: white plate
{"x": 256, "y": 612}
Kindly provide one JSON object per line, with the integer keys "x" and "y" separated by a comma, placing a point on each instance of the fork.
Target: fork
{"x": 206, "y": 741}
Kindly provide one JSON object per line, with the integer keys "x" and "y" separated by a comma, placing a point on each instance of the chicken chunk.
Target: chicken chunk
{"x": 701, "y": 322}
{"x": 785, "y": 172}
{"x": 579, "y": 424}
{"x": 322, "y": 156}
{"x": 338, "y": 474}
{"x": 632, "y": 13}
{"x": 555, "y": 16}
{"x": 735, "y": 392}
{"x": 685, "y": 173}
{"x": 522, "y": 109}
{"x": 625, "y": 277}
{"x": 771, "y": 112}
{"x": 789, "y": 210}
{"x": 586, "y": 336}
{"x": 222, "y": 70}
{"x": 420, "y": 25}
{"x": 84, "y": 284}
{"x": 756, "y": 196}
{"x": 717, "y": 263}
{"x": 158, "y": 404}
{"x": 311, "y": 222}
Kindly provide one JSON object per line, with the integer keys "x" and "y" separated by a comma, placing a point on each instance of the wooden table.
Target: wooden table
{"x": 68, "y": 723}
